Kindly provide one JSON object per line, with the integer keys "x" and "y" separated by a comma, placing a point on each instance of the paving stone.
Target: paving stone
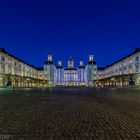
{"x": 70, "y": 116}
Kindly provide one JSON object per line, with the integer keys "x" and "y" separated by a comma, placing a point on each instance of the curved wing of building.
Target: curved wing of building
{"x": 17, "y": 73}
{"x": 124, "y": 72}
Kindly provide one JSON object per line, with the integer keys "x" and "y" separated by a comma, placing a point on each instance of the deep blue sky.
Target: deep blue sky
{"x": 30, "y": 29}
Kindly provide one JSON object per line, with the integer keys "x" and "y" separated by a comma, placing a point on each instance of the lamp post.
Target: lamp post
{"x": 14, "y": 77}
{"x": 112, "y": 80}
{"x": 10, "y": 82}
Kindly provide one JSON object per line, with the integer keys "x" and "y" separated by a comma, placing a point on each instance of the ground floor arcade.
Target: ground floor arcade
{"x": 21, "y": 81}
{"x": 119, "y": 81}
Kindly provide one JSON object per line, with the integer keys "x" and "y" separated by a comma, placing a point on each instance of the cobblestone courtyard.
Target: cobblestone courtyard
{"x": 71, "y": 114}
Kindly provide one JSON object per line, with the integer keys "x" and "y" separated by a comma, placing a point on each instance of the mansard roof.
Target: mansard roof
{"x": 59, "y": 67}
{"x": 81, "y": 67}
{"x": 136, "y": 51}
{"x": 101, "y": 68}
{"x": 92, "y": 62}
{"x": 11, "y": 55}
{"x": 70, "y": 69}
{"x": 49, "y": 62}
{"x": 40, "y": 68}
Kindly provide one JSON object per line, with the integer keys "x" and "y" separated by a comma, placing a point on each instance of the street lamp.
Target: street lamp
{"x": 112, "y": 79}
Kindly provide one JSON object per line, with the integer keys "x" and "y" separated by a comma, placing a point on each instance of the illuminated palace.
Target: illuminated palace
{"x": 123, "y": 72}
{"x": 18, "y": 73}
{"x": 70, "y": 76}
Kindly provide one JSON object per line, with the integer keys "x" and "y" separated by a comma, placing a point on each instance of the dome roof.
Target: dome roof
{"x": 81, "y": 67}
{"x": 92, "y": 62}
{"x": 48, "y": 63}
{"x": 70, "y": 69}
{"x": 59, "y": 67}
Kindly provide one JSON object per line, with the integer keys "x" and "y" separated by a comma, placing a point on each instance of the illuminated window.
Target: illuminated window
{"x": 9, "y": 61}
{"x": 9, "y": 70}
{"x": 130, "y": 69}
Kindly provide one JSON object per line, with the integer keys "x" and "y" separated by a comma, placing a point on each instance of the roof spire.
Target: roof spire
{"x": 70, "y": 63}
{"x": 50, "y": 57}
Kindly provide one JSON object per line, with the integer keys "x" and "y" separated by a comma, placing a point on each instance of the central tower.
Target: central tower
{"x": 70, "y": 63}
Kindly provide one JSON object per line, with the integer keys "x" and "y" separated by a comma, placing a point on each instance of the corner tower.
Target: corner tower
{"x": 81, "y": 74}
{"x": 70, "y": 63}
{"x": 59, "y": 74}
{"x": 49, "y": 70}
{"x": 91, "y": 70}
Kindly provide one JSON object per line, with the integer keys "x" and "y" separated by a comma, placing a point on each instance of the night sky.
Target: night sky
{"x": 30, "y": 29}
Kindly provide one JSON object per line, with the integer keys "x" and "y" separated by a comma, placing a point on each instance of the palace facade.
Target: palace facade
{"x": 17, "y": 73}
{"x": 70, "y": 76}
